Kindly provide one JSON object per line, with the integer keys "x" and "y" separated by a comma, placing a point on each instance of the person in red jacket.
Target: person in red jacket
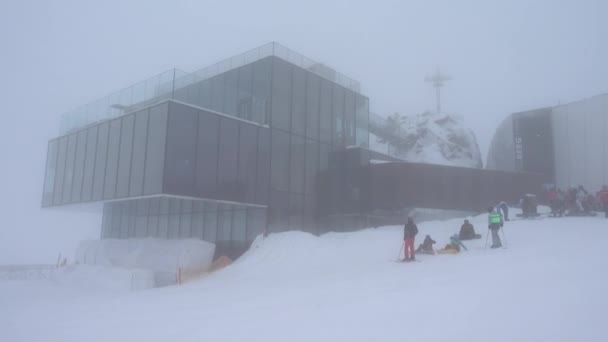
{"x": 409, "y": 234}
{"x": 602, "y": 196}
{"x": 552, "y": 198}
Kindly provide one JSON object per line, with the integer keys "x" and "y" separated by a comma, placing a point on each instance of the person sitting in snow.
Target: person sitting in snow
{"x": 453, "y": 246}
{"x": 409, "y": 234}
{"x": 467, "y": 232}
{"x": 426, "y": 247}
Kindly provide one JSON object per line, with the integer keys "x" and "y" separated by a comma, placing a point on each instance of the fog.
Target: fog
{"x": 56, "y": 55}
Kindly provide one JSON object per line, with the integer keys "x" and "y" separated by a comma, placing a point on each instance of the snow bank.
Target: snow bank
{"x": 162, "y": 257}
{"x": 104, "y": 277}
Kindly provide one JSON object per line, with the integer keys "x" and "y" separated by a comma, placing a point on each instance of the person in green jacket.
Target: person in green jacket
{"x": 494, "y": 224}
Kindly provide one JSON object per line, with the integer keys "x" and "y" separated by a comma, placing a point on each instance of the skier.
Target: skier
{"x": 467, "y": 231}
{"x": 426, "y": 247}
{"x": 503, "y": 209}
{"x": 581, "y": 193}
{"x": 409, "y": 234}
{"x": 494, "y": 224}
{"x": 602, "y": 196}
{"x": 552, "y": 198}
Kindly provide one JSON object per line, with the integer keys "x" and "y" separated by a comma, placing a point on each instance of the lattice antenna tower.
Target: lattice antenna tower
{"x": 438, "y": 79}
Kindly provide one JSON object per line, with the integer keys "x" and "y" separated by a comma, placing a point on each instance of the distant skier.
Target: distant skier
{"x": 494, "y": 224}
{"x": 426, "y": 247}
{"x": 409, "y": 234}
{"x": 602, "y": 196}
{"x": 581, "y": 194}
{"x": 467, "y": 231}
{"x": 503, "y": 209}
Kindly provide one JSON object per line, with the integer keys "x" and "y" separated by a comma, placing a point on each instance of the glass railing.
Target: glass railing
{"x": 164, "y": 85}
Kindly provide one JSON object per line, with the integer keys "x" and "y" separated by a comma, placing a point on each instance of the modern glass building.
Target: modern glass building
{"x": 263, "y": 142}
{"x": 567, "y": 144}
{"x": 222, "y": 154}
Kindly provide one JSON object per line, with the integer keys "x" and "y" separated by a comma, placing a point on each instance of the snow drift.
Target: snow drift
{"x": 164, "y": 258}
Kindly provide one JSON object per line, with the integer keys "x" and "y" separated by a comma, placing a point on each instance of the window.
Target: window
{"x": 124, "y": 156}
{"x": 325, "y": 114}
{"x": 49, "y": 176}
{"x": 349, "y": 118}
{"x": 112, "y": 160}
{"x": 211, "y": 214}
{"x": 198, "y": 219}
{"x": 224, "y": 223}
{"x": 239, "y": 225}
{"x": 312, "y": 162}
{"x": 163, "y": 218}
{"x": 263, "y": 166}
{"x": 256, "y": 222}
{"x": 296, "y": 211}
{"x": 245, "y": 97}
{"x": 206, "y": 160}
{"x": 231, "y": 92}
{"x": 89, "y": 164}
{"x": 61, "y": 156}
{"x": 181, "y": 150}
{"x": 362, "y": 121}
{"x": 247, "y": 162}
{"x": 136, "y": 184}
{"x": 68, "y": 177}
{"x": 100, "y": 160}
{"x": 141, "y": 215}
{"x": 153, "y": 217}
{"x": 298, "y": 102}
{"x": 313, "y": 91}
{"x": 81, "y": 142}
{"x": 278, "y": 219}
{"x": 185, "y": 222}
{"x": 228, "y": 159}
{"x": 204, "y": 93}
{"x": 281, "y": 94}
{"x": 296, "y": 170}
{"x": 155, "y": 149}
{"x": 217, "y": 93}
{"x": 338, "y": 117}
{"x": 174, "y": 217}
{"x": 280, "y": 160}
{"x": 262, "y": 71}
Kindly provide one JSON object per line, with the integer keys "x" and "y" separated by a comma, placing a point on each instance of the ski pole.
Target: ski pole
{"x": 504, "y": 236}
{"x": 400, "y": 249}
{"x": 485, "y": 245}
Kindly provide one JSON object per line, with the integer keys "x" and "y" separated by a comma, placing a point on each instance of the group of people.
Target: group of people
{"x": 496, "y": 217}
{"x": 577, "y": 201}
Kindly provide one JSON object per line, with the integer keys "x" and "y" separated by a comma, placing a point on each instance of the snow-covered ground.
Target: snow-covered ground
{"x": 550, "y": 284}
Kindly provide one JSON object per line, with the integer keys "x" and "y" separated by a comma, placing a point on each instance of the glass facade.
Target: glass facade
{"x": 227, "y": 225}
{"x": 109, "y": 160}
{"x": 258, "y": 134}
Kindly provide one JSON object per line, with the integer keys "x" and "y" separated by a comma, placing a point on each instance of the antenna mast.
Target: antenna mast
{"x": 438, "y": 80}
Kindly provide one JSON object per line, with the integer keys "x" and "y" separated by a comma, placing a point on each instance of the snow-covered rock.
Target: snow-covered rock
{"x": 426, "y": 138}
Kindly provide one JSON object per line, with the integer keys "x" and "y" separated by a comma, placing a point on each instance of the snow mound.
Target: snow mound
{"x": 104, "y": 278}
{"x": 429, "y": 138}
{"x": 160, "y": 256}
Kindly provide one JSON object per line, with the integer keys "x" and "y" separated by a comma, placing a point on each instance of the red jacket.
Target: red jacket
{"x": 552, "y": 196}
{"x": 603, "y": 196}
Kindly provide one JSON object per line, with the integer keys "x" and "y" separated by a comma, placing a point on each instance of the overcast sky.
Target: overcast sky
{"x": 504, "y": 56}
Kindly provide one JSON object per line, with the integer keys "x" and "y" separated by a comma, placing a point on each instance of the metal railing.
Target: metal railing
{"x": 164, "y": 85}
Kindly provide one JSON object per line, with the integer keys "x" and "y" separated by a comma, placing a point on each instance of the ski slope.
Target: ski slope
{"x": 549, "y": 284}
